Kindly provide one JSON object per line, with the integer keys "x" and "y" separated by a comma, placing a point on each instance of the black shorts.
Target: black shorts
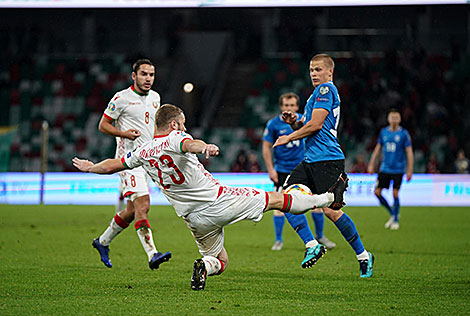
{"x": 383, "y": 180}
{"x": 318, "y": 176}
{"x": 281, "y": 178}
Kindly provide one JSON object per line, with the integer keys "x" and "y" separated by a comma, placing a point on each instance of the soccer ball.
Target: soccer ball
{"x": 299, "y": 188}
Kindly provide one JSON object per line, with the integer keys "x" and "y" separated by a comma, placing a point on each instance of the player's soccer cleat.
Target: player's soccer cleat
{"x": 328, "y": 243}
{"x": 338, "y": 190}
{"x": 366, "y": 267}
{"x": 394, "y": 226}
{"x": 158, "y": 258}
{"x": 389, "y": 222}
{"x": 198, "y": 279}
{"x": 312, "y": 255}
{"x": 277, "y": 245}
{"x": 104, "y": 252}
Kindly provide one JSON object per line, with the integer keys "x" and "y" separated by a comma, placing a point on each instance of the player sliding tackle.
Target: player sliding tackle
{"x": 205, "y": 205}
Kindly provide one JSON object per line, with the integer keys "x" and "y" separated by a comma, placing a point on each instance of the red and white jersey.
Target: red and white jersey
{"x": 187, "y": 185}
{"x": 132, "y": 110}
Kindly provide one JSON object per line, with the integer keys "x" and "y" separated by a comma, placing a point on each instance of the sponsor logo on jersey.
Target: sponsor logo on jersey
{"x": 324, "y": 90}
{"x": 155, "y": 104}
{"x": 112, "y": 106}
{"x": 133, "y": 103}
{"x": 283, "y": 131}
{"x": 397, "y": 138}
{"x": 322, "y": 99}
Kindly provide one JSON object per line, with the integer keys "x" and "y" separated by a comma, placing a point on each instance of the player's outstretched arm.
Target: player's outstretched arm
{"x": 107, "y": 166}
{"x": 268, "y": 161}
{"x": 197, "y": 146}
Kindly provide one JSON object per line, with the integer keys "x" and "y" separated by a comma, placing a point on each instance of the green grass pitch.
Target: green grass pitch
{"x": 48, "y": 267}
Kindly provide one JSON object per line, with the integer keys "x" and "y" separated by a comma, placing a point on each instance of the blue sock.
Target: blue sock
{"x": 348, "y": 230}
{"x": 396, "y": 208}
{"x": 278, "y": 226}
{"x": 384, "y": 202}
{"x": 300, "y": 225}
{"x": 319, "y": 222}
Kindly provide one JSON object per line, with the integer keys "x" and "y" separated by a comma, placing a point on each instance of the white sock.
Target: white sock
{"x": 112, "y": 231}
{"x": 146, "y": 238}
{"x": 302, "y": 202}
{"x": 363, "y": 255}
{"x": 213, "y": 265}
{"x": 311, "y": 243}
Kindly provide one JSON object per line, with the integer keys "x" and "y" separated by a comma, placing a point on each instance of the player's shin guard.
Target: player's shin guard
{"x": 396, "y": 208}
{"x": 278, "y": 226}
{"x": 115, "y": 227}
{"x": 348, "y": 230}
{"x": 300, "y": 225}
{"x": 144, "y": 232}
{"x": 213, "y": 265}
{"x": 297, "y": 203}
{"x": 319, "y": 221}
{"x": 385, "y": 204}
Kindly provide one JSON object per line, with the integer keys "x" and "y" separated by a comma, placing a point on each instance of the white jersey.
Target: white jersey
{"x": 131, "y": 110}
{"x": 187, "y": 185}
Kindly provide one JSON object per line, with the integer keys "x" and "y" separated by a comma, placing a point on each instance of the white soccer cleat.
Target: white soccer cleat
{"x": 389, "y": 222}
{"x": 277, "y": 245}
{"x": 328, "y": 243}
{"x": 394, "y": 226}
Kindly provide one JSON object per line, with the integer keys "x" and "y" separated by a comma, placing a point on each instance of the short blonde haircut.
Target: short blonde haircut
{"x": 327, "y": 60}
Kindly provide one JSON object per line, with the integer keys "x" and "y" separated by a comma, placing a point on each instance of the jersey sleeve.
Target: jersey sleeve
{"x": 407, "y": 139}
{"x": 268, "y": 134}
{"x": 113, "y": 111}
{"x": 177, "y": 139}
{"x": 324, "y": 99}
{"x": 133, "y": 158}
{"x": 380, "y": 139}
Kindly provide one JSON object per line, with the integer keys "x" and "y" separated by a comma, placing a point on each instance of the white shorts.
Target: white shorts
{"x": 134, "y": 181}
{"x": 233, "y": 205}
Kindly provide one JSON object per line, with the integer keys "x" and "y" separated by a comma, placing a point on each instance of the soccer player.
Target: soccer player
{"x": 205, "y": 205}
{"x": 133, "y": 113}
{"x": 397, "y": 156}
{"x": 286, "y": 158}
{"x": 323, "y": 160}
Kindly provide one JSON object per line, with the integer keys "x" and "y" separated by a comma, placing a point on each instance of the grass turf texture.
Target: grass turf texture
{"x": 48, "y": 266}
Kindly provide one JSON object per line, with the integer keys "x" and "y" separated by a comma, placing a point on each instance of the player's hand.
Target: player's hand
{"x": 289, "y": 117}
{"x": 273, "y": 176}
{"x": 131, "y": 134}
{"x": 210, "y": 150}
{"x": 82, "y": 164}
{"x": 281, "y": 140}
{"x": 409, "y": 175}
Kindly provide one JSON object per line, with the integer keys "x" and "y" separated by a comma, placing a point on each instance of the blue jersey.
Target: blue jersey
{"x": 394, "y": 144}
{"x": 288, "y": 156}
{"x": 323, "y": 145}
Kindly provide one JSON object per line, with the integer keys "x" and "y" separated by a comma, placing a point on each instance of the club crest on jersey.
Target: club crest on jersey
{"x": 155, "y": 104}
{"x": 112, "y": 106}
{"x": 397, "y": 138}
{"x": 324, "y": 90}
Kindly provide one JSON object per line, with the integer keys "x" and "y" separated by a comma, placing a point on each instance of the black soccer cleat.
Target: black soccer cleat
{"x": 158, "y": 258}
{"x": 338, "y": 190}
{"x": 198, "y": 279}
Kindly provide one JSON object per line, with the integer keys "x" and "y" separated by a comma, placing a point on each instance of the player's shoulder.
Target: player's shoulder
{"x": 179, "y": 134}
{"x": 274, "y": 120}
{"x": 326, "y": 88}
{"x": 154, "y": 94}
{"x": 121, "y": 96}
